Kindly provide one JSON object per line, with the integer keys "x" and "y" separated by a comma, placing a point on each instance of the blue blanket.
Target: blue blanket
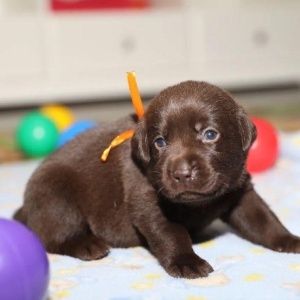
{"x": 242, "y": 270}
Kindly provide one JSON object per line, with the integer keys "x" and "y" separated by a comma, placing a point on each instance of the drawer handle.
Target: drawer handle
{"x": 261, "y": 38}
{"x": 128, "y": 44}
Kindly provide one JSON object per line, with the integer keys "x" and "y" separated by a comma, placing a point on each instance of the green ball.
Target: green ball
{"x": 36, "y": 135}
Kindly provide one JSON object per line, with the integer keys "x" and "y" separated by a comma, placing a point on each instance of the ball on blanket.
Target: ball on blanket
{"x": 59, "y": 114}
{"x": 24, "y": 266}
{"x": 264, "y": 151}
{"x": 36, "y": 135}
{"x": 75, "y": 129}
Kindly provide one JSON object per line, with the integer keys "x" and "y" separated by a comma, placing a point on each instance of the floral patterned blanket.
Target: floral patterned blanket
{"x": 242, "y": 270}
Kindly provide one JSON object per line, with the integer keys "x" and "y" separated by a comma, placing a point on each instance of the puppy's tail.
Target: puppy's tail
{"x": 20, "y": 216}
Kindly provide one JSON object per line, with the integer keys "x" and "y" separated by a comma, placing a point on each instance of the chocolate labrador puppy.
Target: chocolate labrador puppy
{"x": 184, "y": 167}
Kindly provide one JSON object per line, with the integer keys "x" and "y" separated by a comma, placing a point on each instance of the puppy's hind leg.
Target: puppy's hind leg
{"x": 52, "y": 206}
{"x": 85, "y": 246}
{"x": 20, "y": 215}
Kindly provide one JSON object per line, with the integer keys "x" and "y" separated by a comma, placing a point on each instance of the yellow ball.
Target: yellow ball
{"x": 60, "y": 115}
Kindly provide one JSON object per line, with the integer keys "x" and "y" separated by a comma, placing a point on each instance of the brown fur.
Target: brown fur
{"x": 155, "y": 194}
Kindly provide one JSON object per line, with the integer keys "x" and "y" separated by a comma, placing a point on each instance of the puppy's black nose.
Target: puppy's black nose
{"x": 182, "y": 173}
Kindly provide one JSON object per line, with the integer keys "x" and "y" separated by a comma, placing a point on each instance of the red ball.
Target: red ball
{"x": 264, "y": 151}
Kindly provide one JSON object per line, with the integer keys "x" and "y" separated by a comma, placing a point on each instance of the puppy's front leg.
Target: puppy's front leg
{"x": 170, "y": 242}
{"x": 253, "y": 220}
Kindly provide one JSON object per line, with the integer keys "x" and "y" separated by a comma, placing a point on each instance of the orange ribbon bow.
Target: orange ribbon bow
{"x": 138, "y": 106}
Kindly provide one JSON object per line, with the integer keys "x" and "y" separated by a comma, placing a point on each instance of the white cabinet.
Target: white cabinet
{"x": 60, "y": 57}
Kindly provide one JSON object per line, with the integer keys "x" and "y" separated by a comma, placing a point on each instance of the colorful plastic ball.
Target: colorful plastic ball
{"x": 264, "y": 151}
{"x": 74, "y": 130}
{"x": 24, "y": 266}
{"x": 36, "y": 135}
{"x": 59, "y": 114}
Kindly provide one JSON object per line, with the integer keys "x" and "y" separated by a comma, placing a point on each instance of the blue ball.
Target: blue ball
{"x": 74, "y": 130}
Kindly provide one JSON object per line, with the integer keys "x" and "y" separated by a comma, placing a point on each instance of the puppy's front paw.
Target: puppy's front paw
{"x": 288, "y": 244}
{"x": 188, "y": 266}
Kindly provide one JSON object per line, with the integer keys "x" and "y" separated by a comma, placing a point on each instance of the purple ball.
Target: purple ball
{"x": 24, "y": 266}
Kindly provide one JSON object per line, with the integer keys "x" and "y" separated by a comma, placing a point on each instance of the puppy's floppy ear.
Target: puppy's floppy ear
{"x": 139, "y": 143}
{"x": 247, "y": 130}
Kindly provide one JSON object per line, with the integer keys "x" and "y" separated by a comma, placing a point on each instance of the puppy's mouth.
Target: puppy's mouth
{"x": 195, "y": 196}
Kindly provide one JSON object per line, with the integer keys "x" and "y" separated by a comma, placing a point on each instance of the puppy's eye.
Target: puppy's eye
{"x": 160, "y": 143}
{"x": 211, "y": 135}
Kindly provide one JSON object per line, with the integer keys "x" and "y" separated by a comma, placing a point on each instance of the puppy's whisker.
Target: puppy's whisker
{"x": 159, "y": 191}
{"x": 156, "y": 172}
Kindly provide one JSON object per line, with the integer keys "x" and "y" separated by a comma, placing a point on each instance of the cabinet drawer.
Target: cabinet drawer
{"x": 242, "y": 36}
{"x": 20, "y": 47}
{"x": 253, "y": 35}
{"x": 123, "y": 41}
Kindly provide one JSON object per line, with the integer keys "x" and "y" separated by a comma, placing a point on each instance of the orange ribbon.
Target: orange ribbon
{"x": 138, "y": 106}
{"x": 135, "y": 94}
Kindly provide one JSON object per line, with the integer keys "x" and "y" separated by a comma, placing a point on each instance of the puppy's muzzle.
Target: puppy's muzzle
{"x": 183, "y": 172}
{"x": 189, "y": 176}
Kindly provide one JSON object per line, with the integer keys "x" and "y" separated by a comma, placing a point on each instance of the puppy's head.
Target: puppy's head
{"x": 193, "y": 142}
